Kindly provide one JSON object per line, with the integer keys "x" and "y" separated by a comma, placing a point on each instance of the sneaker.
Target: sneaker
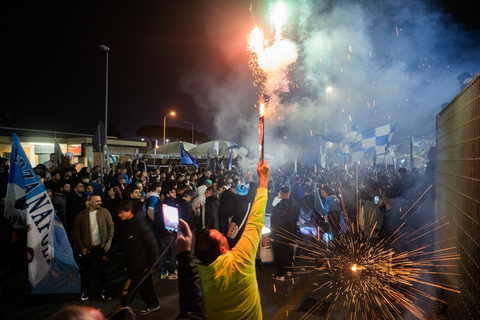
{"x": 164, "y": 276}
{"x": 146, "y": 311}
{"x": 105, "y": 295}
{"x": 173, "y": 276}
{"x": 278, "y": 278}
{"x": 85, "y": 295}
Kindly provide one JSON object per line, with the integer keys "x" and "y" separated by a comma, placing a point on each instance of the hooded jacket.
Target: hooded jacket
{"x": 227, "y": 204}
{"x": 138, "y": 244}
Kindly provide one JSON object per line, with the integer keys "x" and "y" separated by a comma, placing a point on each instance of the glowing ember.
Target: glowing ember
{"x": 354, "y": 267}
{"x": 262, "y": 108}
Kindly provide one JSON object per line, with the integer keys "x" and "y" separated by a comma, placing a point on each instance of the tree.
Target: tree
{"x": 151, "y": 131}
{"x": 112, "y": 130}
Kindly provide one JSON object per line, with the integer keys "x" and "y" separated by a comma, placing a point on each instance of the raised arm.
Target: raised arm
{"x": 246, "y": 248}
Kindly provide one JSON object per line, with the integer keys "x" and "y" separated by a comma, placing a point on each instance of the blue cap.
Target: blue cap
{"x": 242, "y": 189}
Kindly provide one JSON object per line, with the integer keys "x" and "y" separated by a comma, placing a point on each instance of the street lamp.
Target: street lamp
{"x": 106, "y": 49}
{"x": 327, "y": 90}
{"x": 192, "y": 130}
{"x": 165, "y": 124}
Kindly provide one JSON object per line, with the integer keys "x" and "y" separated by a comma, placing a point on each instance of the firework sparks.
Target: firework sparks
{"x": 271, "y": 58}
{"x": 374, "y": 278}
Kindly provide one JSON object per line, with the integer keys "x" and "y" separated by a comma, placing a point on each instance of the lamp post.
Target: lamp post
{"x": 165, "y": 124}
{"x": 192, "y": 130}
{"x": 106, "y": 49}
{"x": 327, "y": 90}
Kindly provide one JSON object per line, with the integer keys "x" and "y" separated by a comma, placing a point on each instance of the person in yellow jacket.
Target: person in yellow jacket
{"x": 228, "y": 276}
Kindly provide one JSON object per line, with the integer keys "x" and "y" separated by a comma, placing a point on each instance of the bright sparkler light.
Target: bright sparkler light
{"x": 271, "y": 58}
{"x": 262, "y": 108}
{"x": 278, "y": 17}
{"x": 256, "y": 40}
{"x": 354, "y": 267}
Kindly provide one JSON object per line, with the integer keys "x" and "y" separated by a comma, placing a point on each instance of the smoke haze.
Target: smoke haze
{"x": 386, "y": 61}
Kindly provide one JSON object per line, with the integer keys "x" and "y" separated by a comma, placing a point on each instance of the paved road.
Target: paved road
{"x": 280, "y": 300}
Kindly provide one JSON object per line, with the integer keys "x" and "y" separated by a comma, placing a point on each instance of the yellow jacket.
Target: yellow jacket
{"x": 230, "y": 282}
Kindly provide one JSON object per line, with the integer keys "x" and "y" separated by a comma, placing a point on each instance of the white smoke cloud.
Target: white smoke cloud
{"x": 387, "y": 62}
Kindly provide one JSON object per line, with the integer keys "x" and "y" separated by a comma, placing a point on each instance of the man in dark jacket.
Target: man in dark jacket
{"x": 225, "y": 209}
{"x": 185, "y": 210}
{"x": 211, "y": 210}
{"x": 284, "y": 219}
{"x": 75, "y": 203}
{"x": 140, "y": 253}
{"x": 59, "y": 201}
{"x": 245, "y": 199}
{"x": 309, "y": 218}
{"x": 171, "y": 201}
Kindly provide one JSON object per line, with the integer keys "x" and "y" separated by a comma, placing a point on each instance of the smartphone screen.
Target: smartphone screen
{"x": 170, "y": 217}
{"x": 377, "y": 199}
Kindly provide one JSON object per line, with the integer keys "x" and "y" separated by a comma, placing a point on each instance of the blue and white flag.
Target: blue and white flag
{"x": 51, "y": 267}
{"x": 340, "y": 137}
{"x": 372, "y": 142}
{"x": 187, "y": 157}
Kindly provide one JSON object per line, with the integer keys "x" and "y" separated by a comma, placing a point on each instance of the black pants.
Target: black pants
{"x": 146, "y": 290}
{"x": 96, "y": 254}
{"x": 283, "y": 256}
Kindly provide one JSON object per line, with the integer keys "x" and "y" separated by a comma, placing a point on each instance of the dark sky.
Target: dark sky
{"x": 55, "y": 71}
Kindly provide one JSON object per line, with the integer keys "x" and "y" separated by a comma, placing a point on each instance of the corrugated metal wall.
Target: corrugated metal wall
{"x": 457, "y": 196}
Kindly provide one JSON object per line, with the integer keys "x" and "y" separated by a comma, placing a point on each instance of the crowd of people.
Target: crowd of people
{"x": 221, "y": 215}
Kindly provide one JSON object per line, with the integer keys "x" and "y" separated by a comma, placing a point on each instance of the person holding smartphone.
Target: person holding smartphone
{"x": 169, "y": 273}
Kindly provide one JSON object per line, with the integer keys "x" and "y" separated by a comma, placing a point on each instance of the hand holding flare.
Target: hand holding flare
{"x": 261, "y": 129}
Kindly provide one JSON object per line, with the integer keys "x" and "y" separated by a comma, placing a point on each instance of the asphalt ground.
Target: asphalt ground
{"x": 301, "y": 296}
{"x": 280, "y": 299}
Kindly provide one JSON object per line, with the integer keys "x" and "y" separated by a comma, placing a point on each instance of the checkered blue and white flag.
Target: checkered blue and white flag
{"x": 372, "y": 142}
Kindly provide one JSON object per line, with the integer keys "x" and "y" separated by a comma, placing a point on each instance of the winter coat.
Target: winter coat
{"x": 81, "y": 228}
{"x": 75, "y": 204}
{"x": 284, "y": 218}
{"x": 211, "y": 213}
{"x": 138, "y": 244}
{"x": 185, "y": 212}
{"x": 226, "y": 206}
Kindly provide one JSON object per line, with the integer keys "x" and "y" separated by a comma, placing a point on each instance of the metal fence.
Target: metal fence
{"x": 457, "y": 196}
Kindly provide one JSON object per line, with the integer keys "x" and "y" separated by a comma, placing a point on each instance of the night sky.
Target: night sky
{"x": 55, "y": 71}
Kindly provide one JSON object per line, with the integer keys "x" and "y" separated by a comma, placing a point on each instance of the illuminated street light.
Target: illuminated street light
{"x": 165, "y": 124}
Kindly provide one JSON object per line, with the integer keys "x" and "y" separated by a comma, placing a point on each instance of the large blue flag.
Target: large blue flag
{"x": 51, "y": 268}
{"x": 187, "y": 157}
